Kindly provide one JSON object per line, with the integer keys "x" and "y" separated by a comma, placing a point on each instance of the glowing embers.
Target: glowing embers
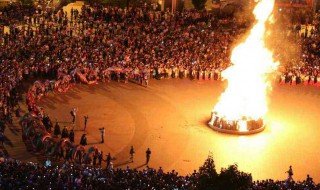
{"x": 242, "y": 126}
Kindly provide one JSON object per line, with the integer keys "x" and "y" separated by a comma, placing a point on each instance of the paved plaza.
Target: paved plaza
{"x": 170, "y": 117}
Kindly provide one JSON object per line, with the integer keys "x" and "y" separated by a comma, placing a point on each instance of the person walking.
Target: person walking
{"x": 131, "y": 153}
{"x": 290, "y": 174}
{"x": 86, "y": 117}
{"x": 148, "y": 153}
{"x": 102, "y": 131}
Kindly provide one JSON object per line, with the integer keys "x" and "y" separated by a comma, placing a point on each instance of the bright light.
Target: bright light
{"x": 243, "y": 125}
{"x": 246, "y": 94}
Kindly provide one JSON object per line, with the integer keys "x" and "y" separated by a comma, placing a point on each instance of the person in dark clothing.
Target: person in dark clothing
{"x": 148, "y": 153}
{"x": 68, "y": 155}
{"x": 100, "y": 158}
{"x": 290, "y": 174}
{"x": 61, "y": 154}
{"x": 95, "y": 157}
{"x": 83, "y": 140}
{"x": 18, "y": 110}
{"x": 65, "y": 132}
{"x": 71, "y": 136}
{"x": 131, "y": 153}
{"x": 86, "y": 117}
{"x": 49, "y": 127}
{"x": 57, "y": 130}
{"x": 102, "y": 132}
{"x": 108, "y": 160}
{"x": 45, "y": 121}
{"x": 79, "y": 155}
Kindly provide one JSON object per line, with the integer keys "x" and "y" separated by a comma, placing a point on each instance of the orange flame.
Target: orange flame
{"x": 246, "y": 94}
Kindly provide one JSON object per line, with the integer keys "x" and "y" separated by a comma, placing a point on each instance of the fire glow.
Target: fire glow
{"x": 246, "y": 94}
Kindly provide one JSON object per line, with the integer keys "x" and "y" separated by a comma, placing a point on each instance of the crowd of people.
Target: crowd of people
{"x": 301, "y": 65}
{"x": 100, "y": 44}
{"x": 20, "y": 175}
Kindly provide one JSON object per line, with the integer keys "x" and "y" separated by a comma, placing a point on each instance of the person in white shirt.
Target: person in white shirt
{"x": 73, "y": 113}
{"x": 48, "y": 163}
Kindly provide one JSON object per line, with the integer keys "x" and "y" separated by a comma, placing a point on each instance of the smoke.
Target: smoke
{"x": 282, "y": 37}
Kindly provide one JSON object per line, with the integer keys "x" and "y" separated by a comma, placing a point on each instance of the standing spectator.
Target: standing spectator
{"x": 71, "y": 136}
{"x": 68, "y": 154}
{"x": 18, "y": 110}
{"x": 65, "y": 132}
{"x": 131, "y": 153}
{"x": 61, "y": 153}
{"x": 309, "y": 179}
{"x": 73, "y": 113}
{"x": 102, "y": 131}
{"x": 146, "y": 79}
{"x": 160, "y": 171}
{"x": 1, "y": 139}
{"x": 110, "y": 167}
{"x": 2, "y": 126}
{"x": 57, "y": 130}
{"x": 108, "y": 160}
{"x": 95, "y": 157}
{"x": 100, "y": 158}
{"x": 86, "y": 117}
{"x": 148, "y": 153}
{"x": 83, "y": 140}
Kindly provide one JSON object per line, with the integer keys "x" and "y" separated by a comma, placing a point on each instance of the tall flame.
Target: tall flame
{"x": 246, "y": 94}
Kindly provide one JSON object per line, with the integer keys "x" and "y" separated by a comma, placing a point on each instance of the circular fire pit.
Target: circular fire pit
{"x": 244, "y": 126}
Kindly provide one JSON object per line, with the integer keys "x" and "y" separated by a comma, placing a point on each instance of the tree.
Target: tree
{"x": 208, "y": 174}
{"x": 232, "y": 178}
{"x": 199, "y": 4}
{"x": 229, "y": 179}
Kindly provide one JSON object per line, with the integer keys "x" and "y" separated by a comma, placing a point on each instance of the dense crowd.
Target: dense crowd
{"x": 301, "y": 65}
{"x": 31, "y": 175}
{"x": 19, "y": 175}
{"x": 100, "y": 44}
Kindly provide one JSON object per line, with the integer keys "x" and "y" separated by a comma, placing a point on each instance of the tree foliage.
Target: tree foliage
{"x": 208, "y": 174}
{"x": 232, "y": 178}
{"x": 199, "y": 4}
{"x": 229, "y": 179}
